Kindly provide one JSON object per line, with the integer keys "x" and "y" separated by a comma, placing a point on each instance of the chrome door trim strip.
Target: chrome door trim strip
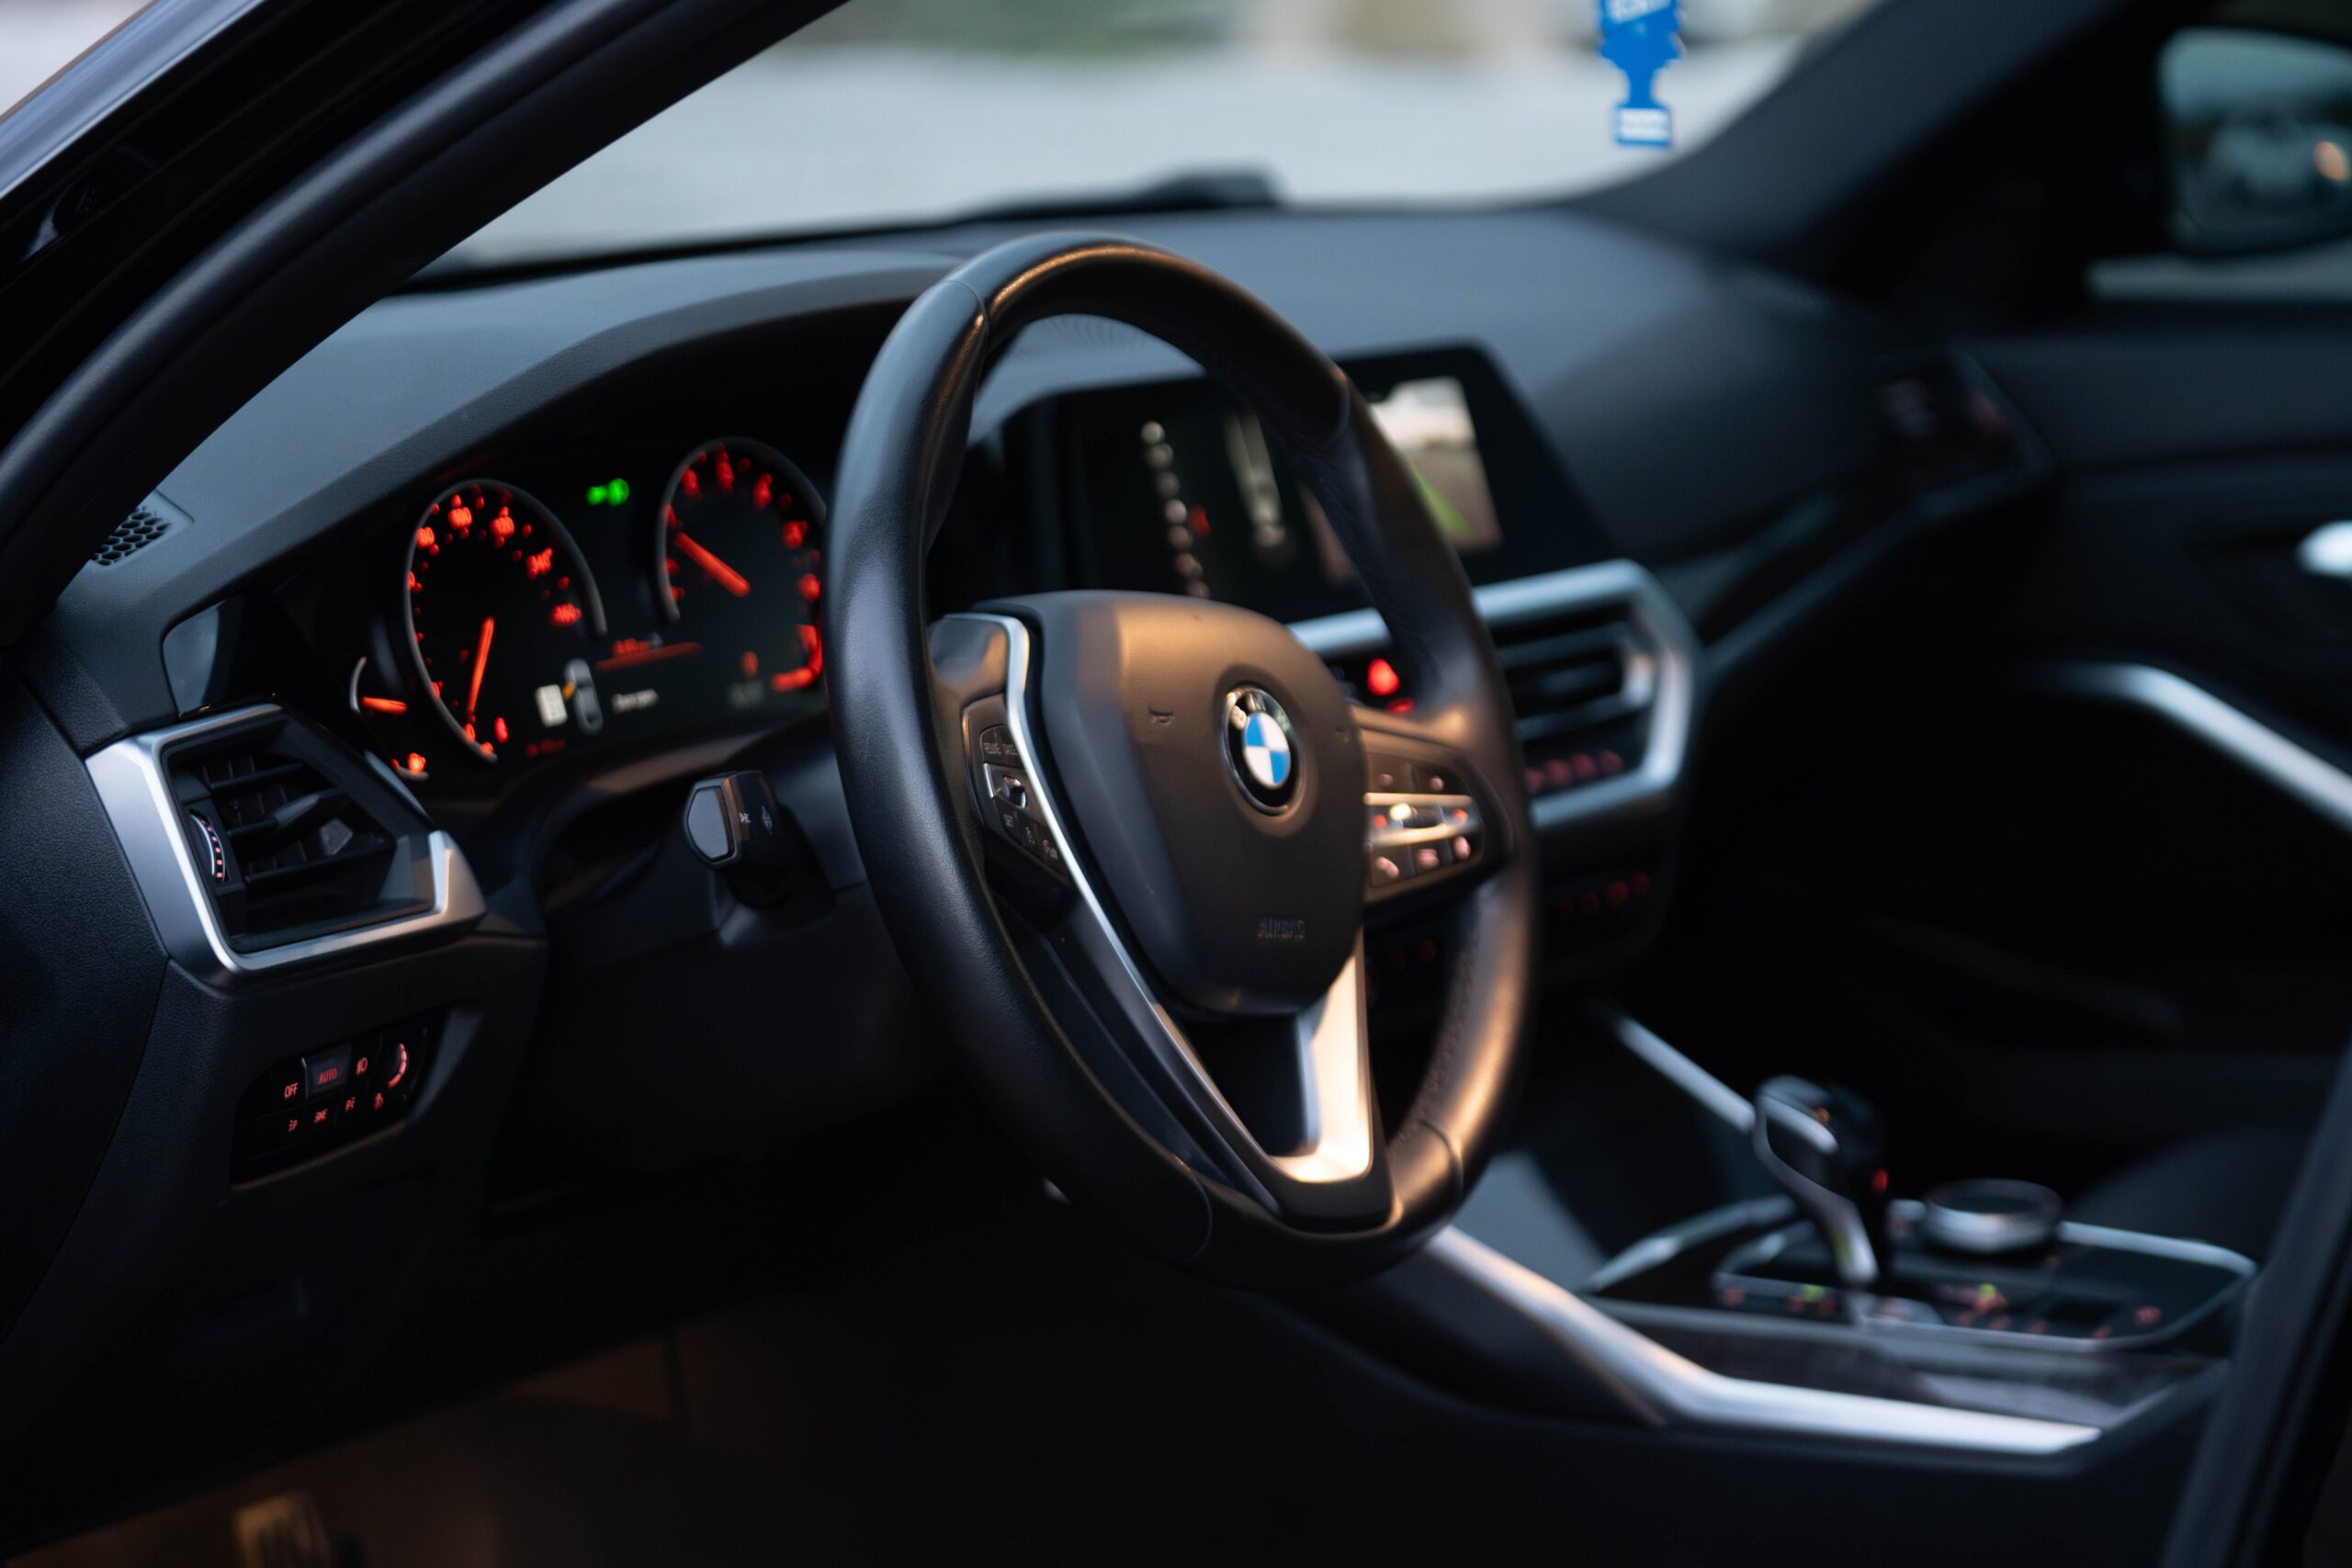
{"x": 134, "y": 786}
{"x": 1654, "y": 613}
{"x": 2320, "y": 785}
{"x": 1668, "y": 1390}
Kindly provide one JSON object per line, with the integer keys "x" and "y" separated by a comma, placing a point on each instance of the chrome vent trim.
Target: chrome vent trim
{"x": 133, "y": 781}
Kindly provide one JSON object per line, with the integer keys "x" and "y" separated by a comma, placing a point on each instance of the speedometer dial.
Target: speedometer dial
{"x": 503, "y": 618}
{"x": 736, "y": 564}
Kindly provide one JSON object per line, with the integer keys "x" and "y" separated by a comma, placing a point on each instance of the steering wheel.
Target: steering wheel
{"x": 1126, "y": 842}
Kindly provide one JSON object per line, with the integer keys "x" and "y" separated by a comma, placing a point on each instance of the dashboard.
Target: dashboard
{"x": 393, "y": 692}
{"x": 539, "y": 548}
{"x": 613, "y": 578}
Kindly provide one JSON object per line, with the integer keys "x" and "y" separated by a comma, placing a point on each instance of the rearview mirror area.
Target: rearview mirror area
{"x": 2258, "y": 134}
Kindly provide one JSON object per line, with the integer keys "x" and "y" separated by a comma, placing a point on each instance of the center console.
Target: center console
{"x": 1975, "y": 1318}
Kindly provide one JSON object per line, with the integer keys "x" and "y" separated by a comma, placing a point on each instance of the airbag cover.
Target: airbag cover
{"x": 1213, "y": 768}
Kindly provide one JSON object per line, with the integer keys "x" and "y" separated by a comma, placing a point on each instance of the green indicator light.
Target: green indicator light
{"x": 1812, "y": 1292}
{"x": 1986, "y": 1292}
{"x": 612, "y": 493}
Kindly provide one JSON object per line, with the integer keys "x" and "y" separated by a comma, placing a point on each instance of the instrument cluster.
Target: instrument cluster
{"x": 565, "y": 599}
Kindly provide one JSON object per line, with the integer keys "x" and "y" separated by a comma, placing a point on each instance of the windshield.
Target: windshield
{"x": 40, "y": 37}
{"x": 890, "y": 112}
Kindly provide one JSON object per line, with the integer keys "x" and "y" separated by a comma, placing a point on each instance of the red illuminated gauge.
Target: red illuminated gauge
{"x": 502, "y": 616}
{"x": 736, "y": 564}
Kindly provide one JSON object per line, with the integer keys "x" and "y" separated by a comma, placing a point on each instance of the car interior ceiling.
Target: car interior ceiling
{"x": 1921, "y": 723}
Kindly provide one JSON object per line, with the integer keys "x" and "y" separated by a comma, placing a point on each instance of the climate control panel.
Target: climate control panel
{"x": 306, "y": 1105}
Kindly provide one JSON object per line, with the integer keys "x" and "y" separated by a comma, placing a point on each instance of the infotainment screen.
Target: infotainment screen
{"x": 1178, "y": 490}
{"x": 1428, "y": 422}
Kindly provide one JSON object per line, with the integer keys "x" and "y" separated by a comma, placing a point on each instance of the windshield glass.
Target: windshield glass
{"x": 890, "y": 112}
{"x": 40, "y": 37}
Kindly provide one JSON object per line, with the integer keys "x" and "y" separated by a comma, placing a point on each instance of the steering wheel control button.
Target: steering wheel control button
{"x": 997, "y": 748}
{"x": 1260, "y": 747}
{"x": 1008, "y": 788}
{"x": 1410, "y": 837}
{"x": 308, "y": 1105}
{"x": 1005, "y": 786}
{"x": 1990, "y": 1215}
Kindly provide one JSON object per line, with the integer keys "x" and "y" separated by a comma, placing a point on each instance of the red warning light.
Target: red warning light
{"x": 795, "y": 534}
{"x": 1381, "y": 680}
{"x": 416, "y": 761}
{"x": 565, "y": 614}
{"x": 498, "y": 728}
{"x": 809, "y": 587}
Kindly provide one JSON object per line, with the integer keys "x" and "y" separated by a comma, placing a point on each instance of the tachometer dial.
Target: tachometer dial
{"x": 503, "y": 618}
{"x": 736, "y": 564}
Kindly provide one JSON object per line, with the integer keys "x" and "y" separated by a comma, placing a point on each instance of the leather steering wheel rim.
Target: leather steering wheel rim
{"x": 903, "y": 763}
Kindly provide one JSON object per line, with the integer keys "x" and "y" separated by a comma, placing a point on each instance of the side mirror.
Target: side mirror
{"x": 2258, "y": 129}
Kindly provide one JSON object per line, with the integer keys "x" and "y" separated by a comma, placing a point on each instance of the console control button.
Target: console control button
{"x": 326, "y": 1074}
{"x": 260, "y": 1136}
{"x": 306, "y": 1105}
{"x": 278, "y": 1090}
{"x": 1990, "y": 1215}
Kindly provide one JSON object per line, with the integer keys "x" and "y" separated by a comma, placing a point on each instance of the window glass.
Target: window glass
{"x": 897, "y": 111}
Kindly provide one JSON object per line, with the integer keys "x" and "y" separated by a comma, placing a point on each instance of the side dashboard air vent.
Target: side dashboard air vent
{"x": 292, "y": 838}
{"x": 133, "y": 534}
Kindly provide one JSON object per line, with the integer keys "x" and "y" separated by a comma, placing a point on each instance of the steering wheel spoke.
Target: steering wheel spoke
{"x": 1286, "y": 1113}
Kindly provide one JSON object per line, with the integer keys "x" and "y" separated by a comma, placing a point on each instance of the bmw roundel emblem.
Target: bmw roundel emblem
{"x": 1260, "y": 748}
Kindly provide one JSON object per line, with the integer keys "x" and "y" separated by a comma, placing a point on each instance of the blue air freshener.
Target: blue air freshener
{"x": 1639, "y": 38}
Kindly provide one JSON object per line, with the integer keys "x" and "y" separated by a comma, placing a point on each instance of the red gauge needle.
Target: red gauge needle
{"x": 482, "y": 662}
{"x": 726, "y": 576}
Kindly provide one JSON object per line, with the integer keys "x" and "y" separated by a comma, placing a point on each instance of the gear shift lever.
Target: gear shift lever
{"x": 1822, "y": 1144}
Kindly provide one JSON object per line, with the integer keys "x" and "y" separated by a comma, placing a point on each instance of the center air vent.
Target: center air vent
{"x": 1582, "y": 684}
{"x": 292, "y": 838}
{"x": 1599, "y": 662}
